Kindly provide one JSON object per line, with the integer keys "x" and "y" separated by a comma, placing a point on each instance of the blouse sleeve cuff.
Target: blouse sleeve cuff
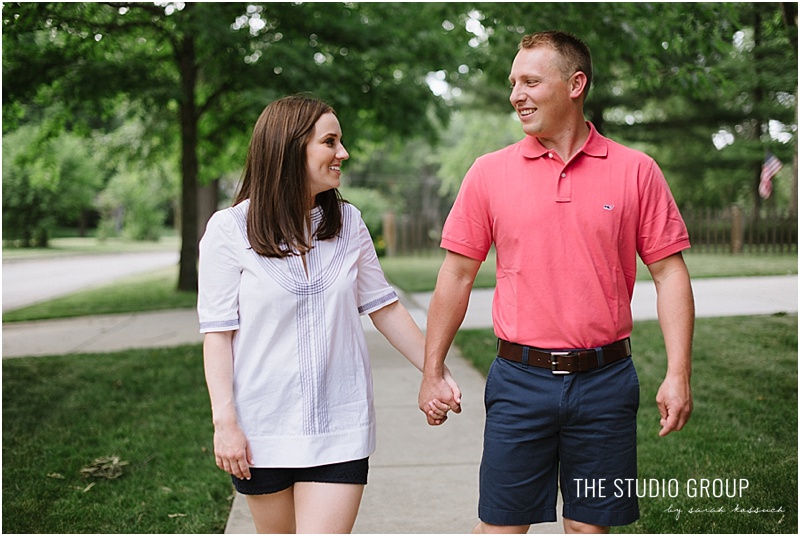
{"x": 219, "y": 325}
{"x": 378, "y": 303}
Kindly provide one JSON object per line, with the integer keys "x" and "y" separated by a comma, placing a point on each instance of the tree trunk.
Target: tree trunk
{"x": 758, "y": 99}
{"x": 207, "y": 204}
{"x": 187, "y": 275}
{"x": 789, "y": 11}
{"x": 793, "y": 195}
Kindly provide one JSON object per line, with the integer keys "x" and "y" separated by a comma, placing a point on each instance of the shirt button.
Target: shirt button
{"x": 550, "y": 155}
{"x": 563, "y": 175}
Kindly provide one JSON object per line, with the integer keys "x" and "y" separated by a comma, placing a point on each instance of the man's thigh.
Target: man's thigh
{"x": 597, "y": 445}
{"x": 519, "y": 468}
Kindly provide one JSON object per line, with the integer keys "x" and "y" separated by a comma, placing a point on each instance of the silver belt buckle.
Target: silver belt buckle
{"x": 554, "y": 363}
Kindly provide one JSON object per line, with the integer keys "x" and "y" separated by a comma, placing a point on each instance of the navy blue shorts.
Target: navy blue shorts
{"x": 272, "y": 480}
{"x": 538, "y": 423}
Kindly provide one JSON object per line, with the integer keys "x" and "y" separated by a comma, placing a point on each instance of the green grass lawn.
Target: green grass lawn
{"x": 744, "y": 424}
{"x": 150, "y": 408}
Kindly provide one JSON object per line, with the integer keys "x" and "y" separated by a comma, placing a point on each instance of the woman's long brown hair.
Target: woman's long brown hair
{"x": 275, "y": 179}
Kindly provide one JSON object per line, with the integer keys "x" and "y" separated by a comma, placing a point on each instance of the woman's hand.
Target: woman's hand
{"x": 437, "y": 412}
{"x": 232, "y": 451}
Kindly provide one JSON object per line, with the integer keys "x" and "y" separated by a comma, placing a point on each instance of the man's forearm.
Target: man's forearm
{"x": 446, "y": 312}
{"x": 675, "y": 305}
{"x": 676, "y": 317}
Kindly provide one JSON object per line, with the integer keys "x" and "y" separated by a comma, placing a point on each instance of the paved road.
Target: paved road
{"x": 30, "y": 281}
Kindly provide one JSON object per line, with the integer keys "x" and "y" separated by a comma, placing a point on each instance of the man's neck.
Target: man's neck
{"x": 568, "y": 141}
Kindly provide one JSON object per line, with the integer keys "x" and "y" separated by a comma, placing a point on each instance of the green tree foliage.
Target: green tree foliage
{"x": 671, "y": 79}
{"x": 711, "y": 142}
{"x": 472, "y": 134}
{"x": 133, "y": 204}
{"x": 45, "y": 181}
{"x": 373, "y": 207}
{"x": 214, "y": 66}
{"x": 142, "y": 183}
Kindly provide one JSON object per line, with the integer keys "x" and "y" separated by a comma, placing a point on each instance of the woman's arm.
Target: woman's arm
{"x": 396, "y": 324}
{"x": 231, "y": 449}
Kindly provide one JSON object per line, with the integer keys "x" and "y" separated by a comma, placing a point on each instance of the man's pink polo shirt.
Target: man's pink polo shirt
{"x": 566, "y": 237}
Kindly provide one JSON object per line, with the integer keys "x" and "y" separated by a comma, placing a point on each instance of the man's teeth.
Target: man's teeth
{"x": 525, "y": 112}
{"x": 336, "y": 168}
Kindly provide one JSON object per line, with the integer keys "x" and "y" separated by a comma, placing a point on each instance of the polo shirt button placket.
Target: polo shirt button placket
{"x": 564, "y": 189}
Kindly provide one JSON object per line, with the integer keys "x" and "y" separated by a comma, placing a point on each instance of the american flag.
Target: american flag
{"x": 769, "y": 169}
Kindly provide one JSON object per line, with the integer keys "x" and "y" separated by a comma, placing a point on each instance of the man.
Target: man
{"x": 567, "y": 210}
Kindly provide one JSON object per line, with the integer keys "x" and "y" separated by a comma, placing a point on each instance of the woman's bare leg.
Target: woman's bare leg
{"x": 273, "y": 513}
{"x": 323, "y": 508}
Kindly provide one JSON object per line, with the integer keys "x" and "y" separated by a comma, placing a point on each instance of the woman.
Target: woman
{"x": 284, "y": 275}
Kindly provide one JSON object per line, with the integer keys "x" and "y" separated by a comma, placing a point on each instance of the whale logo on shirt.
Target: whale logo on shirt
{"x": 608, "y": 207}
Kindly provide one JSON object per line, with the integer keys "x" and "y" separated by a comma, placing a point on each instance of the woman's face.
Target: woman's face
{"x": 325, "y": 154}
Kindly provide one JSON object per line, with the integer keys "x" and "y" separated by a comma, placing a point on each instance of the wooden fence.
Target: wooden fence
{"x": 735, "y": 230}
{"x": 729, "y": 230}
{"x": 407, "y": 235}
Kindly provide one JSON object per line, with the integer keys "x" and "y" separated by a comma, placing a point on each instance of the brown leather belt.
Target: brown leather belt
{"x": 564, "y": 361}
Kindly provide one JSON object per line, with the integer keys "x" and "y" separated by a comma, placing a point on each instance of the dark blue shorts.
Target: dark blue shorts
{"x": 272, "y": 480}
{"x": 538, "y": 423}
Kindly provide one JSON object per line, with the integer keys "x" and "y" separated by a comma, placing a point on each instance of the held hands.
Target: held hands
{"x": 436, "y": 412}
{"x": 674, "y": 399}
{"x": 232, "y": 451}
{"x": 437, "y": 396}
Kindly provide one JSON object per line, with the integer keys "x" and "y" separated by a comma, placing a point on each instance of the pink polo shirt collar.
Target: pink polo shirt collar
{"x": 595, "y": 145}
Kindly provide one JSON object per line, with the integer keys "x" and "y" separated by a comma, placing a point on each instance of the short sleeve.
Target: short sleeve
{"x": 468, "y": 230}
{"x": 219, "y": 275}
{"x": 374, "y": 292}
{"x": 662, "y": 231}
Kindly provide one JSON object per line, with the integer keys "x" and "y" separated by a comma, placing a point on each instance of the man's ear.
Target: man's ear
{"x": 577, "y": 83}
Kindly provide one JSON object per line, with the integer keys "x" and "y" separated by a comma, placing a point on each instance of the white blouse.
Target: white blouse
{"x": 302, "y": 380}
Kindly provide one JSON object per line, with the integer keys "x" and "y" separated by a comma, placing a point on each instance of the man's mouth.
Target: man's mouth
{"x": 526, "y": 112}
